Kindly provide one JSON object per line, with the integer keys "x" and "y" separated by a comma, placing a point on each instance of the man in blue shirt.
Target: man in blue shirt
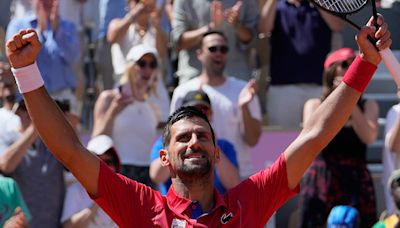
{"x": 60, "y": 47}
{"x": 226, "y": 174}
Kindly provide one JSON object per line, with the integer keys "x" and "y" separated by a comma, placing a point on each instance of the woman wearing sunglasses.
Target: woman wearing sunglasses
{"x": 339, "y": 175}
{"x": 126, "y": 114}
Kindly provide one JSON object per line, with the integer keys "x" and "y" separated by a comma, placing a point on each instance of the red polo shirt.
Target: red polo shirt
{"x": 250, "y": 204}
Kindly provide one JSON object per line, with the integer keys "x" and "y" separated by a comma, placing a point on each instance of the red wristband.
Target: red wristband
{"x": 359, "y": 74}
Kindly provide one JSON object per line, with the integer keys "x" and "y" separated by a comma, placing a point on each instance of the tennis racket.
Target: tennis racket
{"x": 342, "y": 8}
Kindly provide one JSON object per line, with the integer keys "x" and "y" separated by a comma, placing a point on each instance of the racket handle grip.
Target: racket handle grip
{"x": 392, "y": 64}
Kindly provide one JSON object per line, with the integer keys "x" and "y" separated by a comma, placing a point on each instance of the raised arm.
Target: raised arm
{"x": 331, "y": 115}
{"x": 267, "y": 17}
{"x": 22, "y": 50}
{"x": 393, "y": 131}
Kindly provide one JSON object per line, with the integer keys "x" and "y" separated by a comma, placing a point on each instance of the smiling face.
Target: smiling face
{"x": 146, "y": 70}
{"x": 213, "y": 53}
{"x": 191, "y": 153}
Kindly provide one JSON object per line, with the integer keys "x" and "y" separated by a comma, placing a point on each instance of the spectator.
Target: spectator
{"x": 117, "y": 111}
{"x": 391, "y": 219}
{"x": 25, "y": 158}
{"x": 304, "y": 43}
{"x": 79, "y": 210}
{"x": 343, "y": 216}
{"x": 340, "y": 175}
{"x": 10, "y": 200}
{"x": 236, "y": 110}
{"x": 390, "y": 153}
{"x": 226, "y": 175}
{"x": 108, "y": 10}
{"x": 190, "y": 151}
{"x": 141, "y": 25}
{"x": 59, "y": 51}
{"x": 192, "y": 19}
{"x": 8, "y": 120}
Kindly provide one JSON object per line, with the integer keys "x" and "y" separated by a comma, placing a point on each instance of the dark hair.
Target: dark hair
{"x": 185, "y": 112}
{"x": 212, "y": 32}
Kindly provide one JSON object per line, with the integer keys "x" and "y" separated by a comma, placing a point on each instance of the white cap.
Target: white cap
{"x": 138, "y": 51}
{"x": 100, "y": 144}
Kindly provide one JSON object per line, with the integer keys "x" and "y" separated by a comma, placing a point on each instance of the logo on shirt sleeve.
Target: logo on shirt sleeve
{"x": 226, "y": 217}
{"x": 178, "y": 223}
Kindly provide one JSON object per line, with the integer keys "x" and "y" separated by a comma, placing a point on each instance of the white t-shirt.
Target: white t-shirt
{"x": 134, "y": 132}
{"x": 9, "y": 121}
{"x": 227, "y": 116}
{"x": 120, "y": 49}
{"x": 76, "y": 199}
{"x": 391, "y": 161}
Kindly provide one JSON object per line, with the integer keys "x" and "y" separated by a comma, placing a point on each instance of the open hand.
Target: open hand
{"x": 232, "y": 14}
{"x": 248, "y": 93}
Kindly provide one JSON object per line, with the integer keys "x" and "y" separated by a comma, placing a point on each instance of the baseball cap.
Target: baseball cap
{"x": 198, "y": 97}
{"x": 343, "y": 216}
{"x": 100, "y": 144}
{"x": 339, "y": 55}
{"x": 138, "y": 51}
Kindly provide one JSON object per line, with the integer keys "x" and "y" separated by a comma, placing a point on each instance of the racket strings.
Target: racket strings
{"x": 341, "y": 6}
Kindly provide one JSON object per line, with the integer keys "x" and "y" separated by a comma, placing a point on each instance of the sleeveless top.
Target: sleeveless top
{"x": 134, "y": 132}
{"x": 346, "y": 146}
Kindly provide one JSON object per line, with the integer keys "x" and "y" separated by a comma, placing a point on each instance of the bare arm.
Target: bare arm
{"x": 336, "y": 24}
{"x": 22, "y": 50}
{"x": 394, "y": 136}
{"x": 119, "y": 26}
{"x": 331, "y": 115}
{"x": 251, "y": 126}
{"x": 191, "y": 38}
{"x": 158, "y": 173}
{"x": 365, "y": 123}
{"x": 82, "y": 218}
{"x": 13, "y": 155}
{"x": 227, "y": 172}
{"x": 267, "y": 17}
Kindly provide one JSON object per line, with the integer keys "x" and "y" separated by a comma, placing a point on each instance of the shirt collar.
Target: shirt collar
{"x": 180, "y": 204}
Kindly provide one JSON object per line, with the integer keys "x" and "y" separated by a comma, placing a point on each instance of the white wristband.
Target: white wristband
{"x": 28, "y": 78}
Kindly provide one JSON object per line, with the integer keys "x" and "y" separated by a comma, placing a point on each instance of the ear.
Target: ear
{"x": 199, "y": 53}
{"x": 164, "y": 157}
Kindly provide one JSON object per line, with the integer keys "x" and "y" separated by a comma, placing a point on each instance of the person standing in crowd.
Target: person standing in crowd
{"x": 12, "y": 203}
{"x": 236, "y": 110}
{"x": 304, "y": 43}
{"x": 79, "y": 210}
{"x": 339, "y": 175}
{"x": 60, "y": 48}
{"x": 141, "y": 25}
{"x": 192, "y": 19}
{"x": 127, "y": 117}
{"x": 8, "y": 119}
{"x": 108, "y": 10}
{"x": 190, "y": 151}
{"x": 25, "y": 158}
{"x": 226, "y": 175}
{"x": 389, "y": 219}
{"x": 390, "y": 152}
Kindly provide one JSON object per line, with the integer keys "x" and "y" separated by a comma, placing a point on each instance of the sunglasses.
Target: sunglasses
{"x": 345, "y": 63}
{"x": 220, "y": 48}
{"x": 143, "y": 63}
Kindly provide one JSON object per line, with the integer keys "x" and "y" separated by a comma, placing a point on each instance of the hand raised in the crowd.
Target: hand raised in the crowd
{"x": 18, "y": 220}
{"x": 119, "y": 102}
{"x": 232, "y": 14}
{"x": 23, "y": 48}
{"x": 248, "y": 93}
{"x": 382, "y": 35}
{"x": 217, "y": 14}
{"x": 55, "y": 15}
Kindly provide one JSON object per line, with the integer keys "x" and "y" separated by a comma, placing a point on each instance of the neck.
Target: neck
{"x": 139, "y": 93}
{"x": 196, "y": 190}
{"x": 211, "y": 79}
